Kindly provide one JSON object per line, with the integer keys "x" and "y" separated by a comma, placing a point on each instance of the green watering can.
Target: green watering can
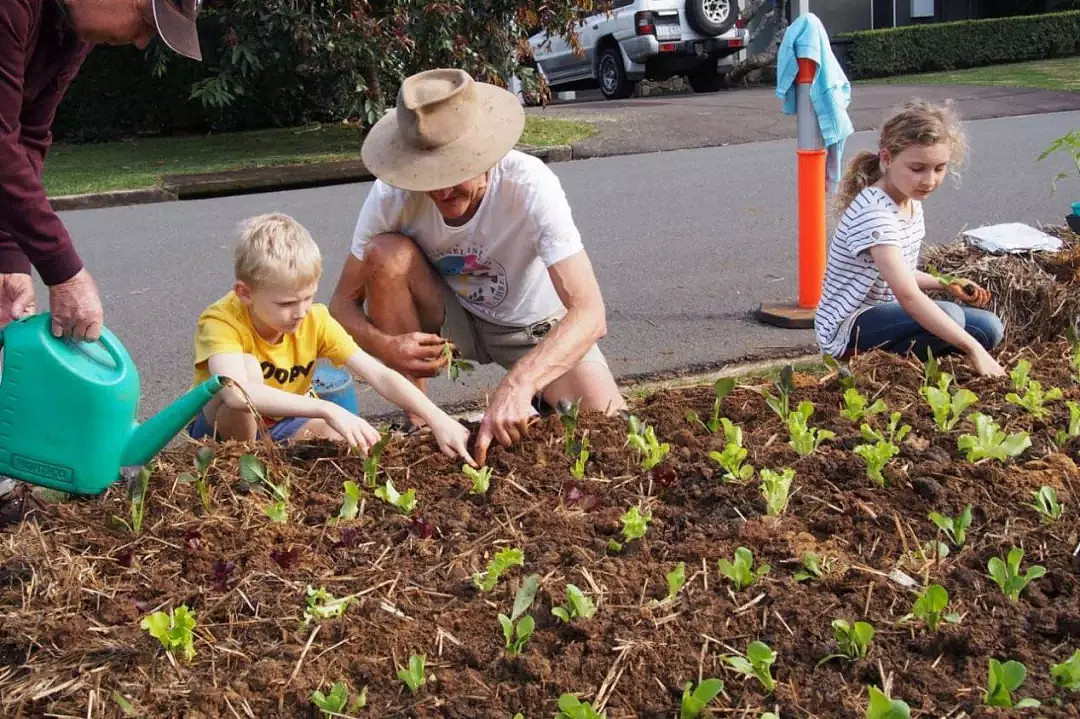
{"x": 68, "y": 409}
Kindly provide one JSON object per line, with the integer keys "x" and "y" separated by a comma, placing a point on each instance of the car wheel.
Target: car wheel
{"x": 614, "y": 84}
{"x": 712, "y": 17}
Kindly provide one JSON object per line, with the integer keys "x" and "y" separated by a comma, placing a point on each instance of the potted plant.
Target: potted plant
{"x": 1069, "y": 144}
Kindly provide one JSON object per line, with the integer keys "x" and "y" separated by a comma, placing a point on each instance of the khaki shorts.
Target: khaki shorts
{"x": 484, "y": 342}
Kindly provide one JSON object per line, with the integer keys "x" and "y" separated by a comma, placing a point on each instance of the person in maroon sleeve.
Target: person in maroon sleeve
{"x": 42, "y": 45}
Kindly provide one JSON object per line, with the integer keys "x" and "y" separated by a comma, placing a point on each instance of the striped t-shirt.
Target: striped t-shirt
{"x": 852, "y": 281}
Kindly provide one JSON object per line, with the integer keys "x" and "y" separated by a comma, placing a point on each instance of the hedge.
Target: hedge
{"x": 954, "y": 45}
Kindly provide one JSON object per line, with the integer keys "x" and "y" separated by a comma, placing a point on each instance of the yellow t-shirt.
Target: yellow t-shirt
{"x": 225, "y": 327}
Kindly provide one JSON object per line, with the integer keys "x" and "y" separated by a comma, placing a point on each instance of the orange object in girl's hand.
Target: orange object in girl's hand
{"x": 968, "y": 292}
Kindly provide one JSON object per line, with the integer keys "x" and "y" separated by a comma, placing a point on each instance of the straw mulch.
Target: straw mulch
{"x": 1036, "y": 294}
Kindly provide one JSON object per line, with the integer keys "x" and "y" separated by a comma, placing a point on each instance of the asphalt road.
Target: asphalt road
{"x": 686, "y": 244}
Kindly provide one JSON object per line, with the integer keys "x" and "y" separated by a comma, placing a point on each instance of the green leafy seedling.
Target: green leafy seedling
{"x": 175, "y": 630}
{"x": 517, "y": 635}
{"x": 634, "y": 526}
{"x": 955, "y": 528}
{"x": 852, "y": 639}
{"x": 841, "y": 370}
{"x": 1034, "y": 398}
{"x": 931, "y": 370}
{"x": 1047, "y": 505}
{"x": 1020, "y": 375}
{"x": 676, "y": 579}
{"x": 1001, "y": 681}
{"x": 804, "y": 438}
{"x": 350, "y": 507}
{"x": 989, "y": 442}
{"x": 930, "y": 605}
{"x": 570, "y": 707}
{"x": 321, "y": 604}
{"x": 568, "y": 417}
{"x": 651, "y": 451}
{"x": 204, "y": 457}
{"x": 894, "y": 432}
{"x": 741, "y": 572}
{"x": 1006, "y": 574}
{"x": 814, "y": 567}
{"x": 577, "y": 606}
{"x": 455, "y": 366}
{"x": 721, "y": 389}
{"x": 253, "y": 471}
{"x": 732, "y": 458}
{"x": 581, "y": 457}
{"x": 776, "y": 489}
{"x": 499, "y": 565}
{"x": 371, "y": 461}
{"x": 757, "y": 663}
{"x": 138, "y": 487}
{"x": 785, "y": 386}
{"x": 877, "y": 456}
{"x": 404, "y": 503}
{"x": 881, "y": 706}
{"x": 1063, "y": 436}
{"x": 944, "y": 278}
{"x": 855, "y": 407}
{"x": 694, "y": 703}
{"x": 337, "y": 701}
{"x": 481, "y": 478}
{"x": 947, "y": 408}
{"x": 414, "y": 676}
{"x": 1066, "y": 675}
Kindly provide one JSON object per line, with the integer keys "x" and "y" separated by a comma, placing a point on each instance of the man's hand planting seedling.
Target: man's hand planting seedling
{"x": 414, "y": 676}
{"x": 776, "y": 488}
{"x": 757, "y": 663}
{"x": 499, "y": 565}
{"x": 175, "y": 630}
{"x": 881, "y": 706}
{"x": 929, "y": 606}
{"x": 577, "y": 605}
{"x": 1046, "y": 504}
{"x": 404, "y": 503}
{"x": 853, "y": 640}
{"x": 635, "y": 524}
{"x": 990, "y": 442}
{"x": 1067, "y": 674}
{"x": 1007, "y": 574}
{"x": 855, "y": 408}
{"x": 955, "y": 528}
{"x": 694, "y": 703}
{"x": 732, "y": 458}
{"x": 1001, "y": 681}
{"x": 741, "y": 572}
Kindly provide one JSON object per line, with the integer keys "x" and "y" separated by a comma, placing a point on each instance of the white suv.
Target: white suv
{"x": 654, "y": 39}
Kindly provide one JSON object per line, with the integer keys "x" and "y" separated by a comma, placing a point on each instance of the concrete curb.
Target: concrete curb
{"x": 254, "y": 179}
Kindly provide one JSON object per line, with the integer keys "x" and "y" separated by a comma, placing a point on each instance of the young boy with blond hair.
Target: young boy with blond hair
{"x": 267, "y": 334}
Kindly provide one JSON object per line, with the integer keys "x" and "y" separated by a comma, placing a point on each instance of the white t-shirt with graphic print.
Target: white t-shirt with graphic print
{"x": 852, "y": 281}
{"x": 497, "y": 262}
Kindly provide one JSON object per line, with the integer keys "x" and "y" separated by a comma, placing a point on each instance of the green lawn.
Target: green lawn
{"x": 134, "y": 164}
{"x": 1059, "y": 74}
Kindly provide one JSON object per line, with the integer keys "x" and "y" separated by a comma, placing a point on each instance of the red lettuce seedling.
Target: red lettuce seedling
{"x": 221, "y": 574}
{"x": 286, "y": 558}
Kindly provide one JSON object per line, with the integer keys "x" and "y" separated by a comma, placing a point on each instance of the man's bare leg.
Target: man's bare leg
{"x": 593, "y": 383}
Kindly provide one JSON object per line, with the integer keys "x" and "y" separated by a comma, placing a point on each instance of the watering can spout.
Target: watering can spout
{"x": 148, "y": 438}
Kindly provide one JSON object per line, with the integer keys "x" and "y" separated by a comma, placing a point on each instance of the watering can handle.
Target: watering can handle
{"x": 113, "y": 347}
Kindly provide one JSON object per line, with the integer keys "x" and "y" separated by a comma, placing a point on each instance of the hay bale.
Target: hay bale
{"x": 1036, "y": 294}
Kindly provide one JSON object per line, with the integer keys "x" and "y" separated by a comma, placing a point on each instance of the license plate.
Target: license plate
{"x": 667, "y": 32}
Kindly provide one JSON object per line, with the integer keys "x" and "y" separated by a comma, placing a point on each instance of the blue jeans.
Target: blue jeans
{"x": 280, "y": 431}
{"x": 889, "y": 327}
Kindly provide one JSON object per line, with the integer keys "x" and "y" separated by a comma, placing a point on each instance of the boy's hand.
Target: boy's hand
{"x": 415, "y": 354}
{"x": 453, "y": 438}
{"x": 354, "y": 430}
{"x": 968, "y": 292}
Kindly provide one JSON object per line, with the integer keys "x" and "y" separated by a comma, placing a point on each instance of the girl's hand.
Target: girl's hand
{"x": 986, "y": 365}
{"x": 968, "y": 292}
{"x": 452, "y": 437}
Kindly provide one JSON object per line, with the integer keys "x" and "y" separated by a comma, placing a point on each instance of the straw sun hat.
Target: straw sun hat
{"x": 446, "y": 129}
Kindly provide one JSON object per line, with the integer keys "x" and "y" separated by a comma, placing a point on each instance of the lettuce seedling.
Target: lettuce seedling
{"x": 741, "y": 572}
{"x": 676, "y": 579}
{"x": 481, "y": 478}
{"x": 1006, "y": 574}
{"x": 404, "y": 503}
{"x": 1066, "y": 675}
{"x": 577, "y": 605}
{"x": 253, "y": 471}
{"x": 1046, "y": 504}
{"x": 693, "y": 703}
{"x": 785, "y": 386}
{"x": 775, "y": 488}
{"x": 842, "y": 371}
{"x": 501, "y": 563}
{"x": 337, "y": 701}
{"x": 881, "y": 706}
{"x": 204, "y": 457}
{"x": 955, "y": 528}
{"x": 757, "y": 663}
{"x": 805, "y": 439}
{"x": 643, "y": 438}
{"x": 814, "y": 567}
{"x": 1063, "y": 436}
{"x": 877, "y": 455}
{"x": 138, "y": 486}
{"x": 371, "y": 461}
{"x": 990, "y": 442}
{"x": 321, "y": 604}
{"x": 732, "y": 458}
{"x": 350, "y": 507}
{"x": 852, "y": 640}
{"x": 518, "y": 635}
{"x": 931, "y": 370}
{"x": 581, "y": 457}
{"x": 721, "y": 388}
{"x": 929, "y": 606}
{"x": 1001, "y": 681}
{"x": 570, "y": 707}
{"x": 455, "y": 366}
{"x": 414, "y": 676}
{"x": 568, "y": 417}
{"x": 1034, "y": 398}
{"x": 1020, "y": 375}
{"x": 175, "y": 630}
{"x": 634, "y": 526}
{"x": 894, "y": 431}
{"x": 947, "y": 408}
{"x": 855, "y": 408}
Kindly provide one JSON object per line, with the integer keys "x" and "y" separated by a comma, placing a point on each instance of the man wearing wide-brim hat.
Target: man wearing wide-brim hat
{"x": 463, "y": 239}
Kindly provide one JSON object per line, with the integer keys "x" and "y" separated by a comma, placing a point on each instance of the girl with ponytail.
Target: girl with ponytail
{"x": 873, "y": 295}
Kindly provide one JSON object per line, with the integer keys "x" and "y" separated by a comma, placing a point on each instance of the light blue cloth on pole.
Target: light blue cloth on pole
{"x": 830, "y": 92}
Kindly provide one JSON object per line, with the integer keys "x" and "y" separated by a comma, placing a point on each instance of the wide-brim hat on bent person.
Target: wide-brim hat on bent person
{"x": 175, "y": 23}
{"x": 446, "y": 129}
